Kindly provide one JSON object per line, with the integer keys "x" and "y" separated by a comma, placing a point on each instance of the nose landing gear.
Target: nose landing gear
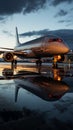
{"x": 55, "y": 65}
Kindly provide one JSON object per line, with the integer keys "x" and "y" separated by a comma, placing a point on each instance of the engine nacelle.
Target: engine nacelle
{"x": 8, "y": 56}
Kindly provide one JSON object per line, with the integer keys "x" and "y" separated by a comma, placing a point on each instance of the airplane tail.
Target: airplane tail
{"x": 17, "y": 38}
{"x": 16, "y": 93}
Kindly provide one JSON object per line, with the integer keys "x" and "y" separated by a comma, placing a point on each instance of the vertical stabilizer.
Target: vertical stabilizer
{"x": 17, "y": 38}
{"x": 16, "y": 93}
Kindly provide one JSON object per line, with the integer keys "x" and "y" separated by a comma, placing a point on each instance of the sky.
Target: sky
{"x": 33, "y": 18}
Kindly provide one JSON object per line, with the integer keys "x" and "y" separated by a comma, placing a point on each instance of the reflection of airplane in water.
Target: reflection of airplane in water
{"x": 42, "y": 86}
{"x": 46, "y": 46}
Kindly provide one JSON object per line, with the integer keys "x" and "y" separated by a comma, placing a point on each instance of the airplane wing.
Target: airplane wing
{"x": 14, "y": 52}
{"x": 19, "y": 53}
{"x": 6, "y": 48}
{"x": 3, "y": 49}
{"x": 9, "y": 53}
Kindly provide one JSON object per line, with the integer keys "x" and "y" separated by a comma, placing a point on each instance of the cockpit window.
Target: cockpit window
{"x": 55, "y": 40}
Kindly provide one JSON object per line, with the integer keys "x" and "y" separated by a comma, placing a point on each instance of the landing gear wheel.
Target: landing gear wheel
{"x": 55, "y": 65}
{"x": 38, "y": 63}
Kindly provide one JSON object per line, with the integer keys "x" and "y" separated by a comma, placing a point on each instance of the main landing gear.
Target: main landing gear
{"x": 14, "y": 64}
{"x": 38, "y": 62}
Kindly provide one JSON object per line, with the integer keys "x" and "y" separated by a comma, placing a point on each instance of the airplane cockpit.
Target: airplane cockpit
{"x": 55, "y": 40}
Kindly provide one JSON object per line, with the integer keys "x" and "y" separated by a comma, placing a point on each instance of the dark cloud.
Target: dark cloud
{"x": 34, "y": 5}
{"x": 57, "y": 2}
{"x": 61, "y": 13}
{"x": 35, "y": 33}
{"x": 8, "y": 7}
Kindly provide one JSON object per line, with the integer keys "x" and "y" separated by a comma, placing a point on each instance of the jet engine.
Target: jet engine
{"x": 8, "y": 56}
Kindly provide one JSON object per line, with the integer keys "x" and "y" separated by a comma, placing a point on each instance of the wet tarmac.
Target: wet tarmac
{"x": 36, "y": 98}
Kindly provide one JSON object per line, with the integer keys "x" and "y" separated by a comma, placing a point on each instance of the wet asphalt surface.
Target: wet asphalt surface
{"x": 36, "y": 98}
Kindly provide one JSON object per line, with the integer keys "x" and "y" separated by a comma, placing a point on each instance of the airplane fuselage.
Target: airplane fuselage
{"x": 43, "y": 47}
{"x": 46, "y": 46}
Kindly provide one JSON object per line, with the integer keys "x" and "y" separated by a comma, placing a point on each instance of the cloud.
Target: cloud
{"x": 64, "y": 21}
{"x": 35, "y": 33}
{"x": 57, "y": 2}
{"x": 7, "y": 33}
{"x": 61, "y": 21}
{"x": 8, "y": 7}
{"x": 61, "y": 13}
{"x": 3, "y": 19}
{"x": 71, "y": 9}
{"x": 67, "y": 22}
{"x": 34, "y": 5}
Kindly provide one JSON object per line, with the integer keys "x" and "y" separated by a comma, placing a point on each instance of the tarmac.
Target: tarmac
{"x": 36, "y": 98}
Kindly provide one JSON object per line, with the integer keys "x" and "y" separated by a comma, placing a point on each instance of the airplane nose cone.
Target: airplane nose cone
{"x": 66, "y": 49}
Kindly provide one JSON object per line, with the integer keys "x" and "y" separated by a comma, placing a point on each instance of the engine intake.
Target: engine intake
{"x": 8, "y": 56}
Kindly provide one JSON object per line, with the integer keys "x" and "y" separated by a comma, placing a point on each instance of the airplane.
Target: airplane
{"x": 46, "y": 46}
